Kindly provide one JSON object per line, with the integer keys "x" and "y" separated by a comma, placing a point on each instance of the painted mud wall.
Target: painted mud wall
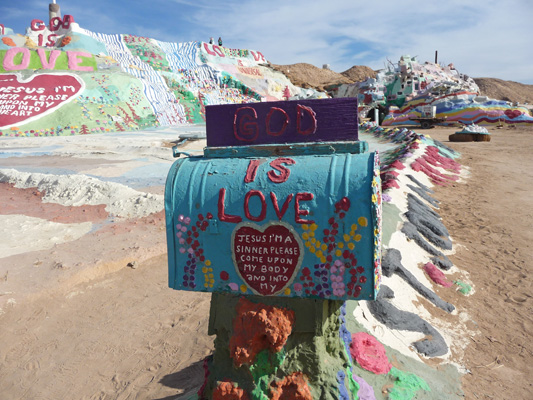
{"x": 462, "y": 107}
{"x": 404, "y": 345}
{"x": 124, "y": 82}
{"x": 406, "y": 87}
{"x": 396, "y": 333}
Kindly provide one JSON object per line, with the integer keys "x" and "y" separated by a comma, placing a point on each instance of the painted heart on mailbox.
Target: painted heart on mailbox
{"x": 267, "y": 258}
{"x": 25, "y": 101}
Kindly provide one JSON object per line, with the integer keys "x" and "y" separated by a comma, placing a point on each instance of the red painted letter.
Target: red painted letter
{"x": 67, "y": 20}
{"x": 219, "y": 52}
{"x": 221, "y": 213}
{"x": 51, "y": 42}
{"x": 284, "y": 172}
{"x": 37, "y": 25}
{"x": 285, "y": 123}
{"x": 258, "y": 56}
{"x": 210, "y": 52}
{"x": 261, "y": 196}
{"x": 298, "y": 212}
{"x": 251, "y": 172}
{"x": 299, "y": 115}
{"x": 55, "y": 24}
{"x": 244, "y": 129}
{"x": 276, "y": 206}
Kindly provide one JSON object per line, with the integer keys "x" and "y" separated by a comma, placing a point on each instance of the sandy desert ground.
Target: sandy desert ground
{"x": 491, "y": 219}
{"x": 93, "y": 318}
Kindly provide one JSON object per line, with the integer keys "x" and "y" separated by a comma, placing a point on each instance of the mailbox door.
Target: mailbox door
{"x": 294, "y": 226}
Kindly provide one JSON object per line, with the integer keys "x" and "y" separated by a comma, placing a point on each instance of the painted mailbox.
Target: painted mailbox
{"x": 300, "y": 218}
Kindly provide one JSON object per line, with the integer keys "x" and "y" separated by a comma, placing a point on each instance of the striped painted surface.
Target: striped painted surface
{"x": 189, "y": 66}
{"x": 180, "y": 56}
{"x": 155, "y": 88}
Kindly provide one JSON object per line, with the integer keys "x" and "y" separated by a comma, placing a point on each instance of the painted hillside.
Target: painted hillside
{"x": 62, "y": 79}
{"x": 404, "y": 89}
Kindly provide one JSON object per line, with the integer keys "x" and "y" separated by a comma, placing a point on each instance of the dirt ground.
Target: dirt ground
{"x": 491, "y": 221}
{"x": 115, "y": 335}
{"x": 119, "y": 332}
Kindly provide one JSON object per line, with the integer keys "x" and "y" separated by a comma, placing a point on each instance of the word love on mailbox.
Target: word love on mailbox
{"x": 243, "y": 219}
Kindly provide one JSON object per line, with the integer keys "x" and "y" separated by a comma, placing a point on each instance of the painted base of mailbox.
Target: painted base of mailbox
{"x": 278, "y": 348}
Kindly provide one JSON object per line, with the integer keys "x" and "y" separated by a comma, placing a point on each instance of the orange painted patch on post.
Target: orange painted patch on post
{"x": 257, "y": 327}
{"x": 229, "y": 391}
{"x": 293, "y": 387}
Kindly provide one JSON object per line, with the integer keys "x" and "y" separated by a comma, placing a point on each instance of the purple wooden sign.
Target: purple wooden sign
{"x": 298, "y": 121}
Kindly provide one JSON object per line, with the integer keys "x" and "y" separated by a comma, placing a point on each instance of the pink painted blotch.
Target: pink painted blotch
{"x": 437, "y": 275}
{"x": 74, "y": 60}
{"x": 369, "y": 353}
{"x": 9, "y": 59}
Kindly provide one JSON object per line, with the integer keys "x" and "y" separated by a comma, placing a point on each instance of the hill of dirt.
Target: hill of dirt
{"x": 505, "y": 90}
{"x": 359, "y": 73}
{"x": 308, "y": 76}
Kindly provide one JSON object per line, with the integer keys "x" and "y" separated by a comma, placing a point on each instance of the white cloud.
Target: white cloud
{"x": 482, "y": 38}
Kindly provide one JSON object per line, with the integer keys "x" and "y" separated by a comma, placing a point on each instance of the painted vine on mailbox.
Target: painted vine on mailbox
{"x": 325, "y": 279}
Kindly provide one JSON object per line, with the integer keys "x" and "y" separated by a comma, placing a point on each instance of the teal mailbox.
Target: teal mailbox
{"x": 284, "y": 202}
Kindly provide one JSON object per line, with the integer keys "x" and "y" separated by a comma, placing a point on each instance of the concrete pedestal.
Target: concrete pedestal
{"x": 278, "y": 348}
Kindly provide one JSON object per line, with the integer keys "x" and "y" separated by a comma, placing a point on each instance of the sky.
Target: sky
{"x": 482, "y": 38}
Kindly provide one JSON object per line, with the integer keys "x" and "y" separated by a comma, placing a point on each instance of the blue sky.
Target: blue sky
{"x": 483, "y": 38}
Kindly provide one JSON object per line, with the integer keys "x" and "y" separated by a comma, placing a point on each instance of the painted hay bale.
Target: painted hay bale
{"x": 482, "y": 138}
{"x": 461, "y": 137}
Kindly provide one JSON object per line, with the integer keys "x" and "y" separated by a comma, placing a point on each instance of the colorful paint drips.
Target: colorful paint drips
{"x": 366, "y": 392}
{"x": 463, "y": 288}
{"x": 265, "y": 366}
{"x": 229, "y": 391}
{"x": 369, "y": 353}
{"x": 437, "y": 275}
{"x": 292, "y": 387}
{"x": 406, "y": 385}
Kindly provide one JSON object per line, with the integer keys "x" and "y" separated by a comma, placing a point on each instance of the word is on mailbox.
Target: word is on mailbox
{"x": 298, "y": 225}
